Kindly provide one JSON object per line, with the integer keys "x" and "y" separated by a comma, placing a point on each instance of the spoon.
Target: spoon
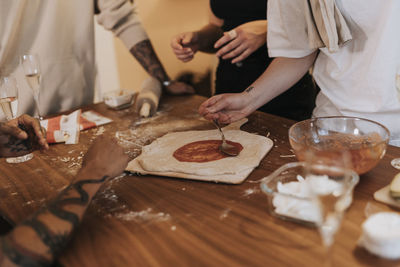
{"x": 226, "y": 148}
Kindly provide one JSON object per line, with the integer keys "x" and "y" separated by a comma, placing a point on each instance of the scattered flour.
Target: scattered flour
{"x": 143, "y": 216}
{"x": 225, "y": 214}
{"x": 250, "y": 191}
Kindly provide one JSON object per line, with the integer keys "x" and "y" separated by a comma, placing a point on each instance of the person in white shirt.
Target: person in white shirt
{"x": 357, "y": 80}
{"x": 61, "y": 33}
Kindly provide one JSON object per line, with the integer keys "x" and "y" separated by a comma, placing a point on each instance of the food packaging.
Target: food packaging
{"x": 66, "y": 128}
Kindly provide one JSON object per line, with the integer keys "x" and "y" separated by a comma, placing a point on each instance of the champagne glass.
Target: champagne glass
{"x": 9, "y": 105}
{"x": 331, "y": 189}
{"x": 31, "y": 67}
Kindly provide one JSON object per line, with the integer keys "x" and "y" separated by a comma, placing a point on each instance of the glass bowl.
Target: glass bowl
{"x": 289, "y": 197}
{"x": 119, "y": 99}
{"x": 327, "y": 138}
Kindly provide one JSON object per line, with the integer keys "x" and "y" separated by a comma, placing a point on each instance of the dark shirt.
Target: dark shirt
{"x": 297, "y": 103}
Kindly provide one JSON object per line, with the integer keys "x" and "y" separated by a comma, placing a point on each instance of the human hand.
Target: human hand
{"x": 105, "y": 158}
{"x": 21, "y": 135}
{"x": 179, "y": 88}
{"x": 242, "y": 41}
{"x": 185, "y": 45}
{"x": 226, "y": 108}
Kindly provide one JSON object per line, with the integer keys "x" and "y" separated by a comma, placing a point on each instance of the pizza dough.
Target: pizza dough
{"x": 157, "y": 158}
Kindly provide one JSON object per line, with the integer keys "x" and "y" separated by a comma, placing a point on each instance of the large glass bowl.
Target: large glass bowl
{"x": 328, "y": 138}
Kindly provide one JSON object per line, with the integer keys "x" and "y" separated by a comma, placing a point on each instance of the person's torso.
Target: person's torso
{"x": 61, "y": 33}
{"x": 235, "y": 13}
{"x": 360, "y": 79}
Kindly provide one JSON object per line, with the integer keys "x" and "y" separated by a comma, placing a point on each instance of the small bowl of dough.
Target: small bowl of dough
{"x": 289, "y": 196}
{"x": 119, "y": 99}
{"x": 328, "y": 138}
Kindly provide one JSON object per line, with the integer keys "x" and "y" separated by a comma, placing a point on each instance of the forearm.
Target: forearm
{"x": 207, "y": 37}
{"x": 39, "y": 239}
{"x": 145, "y": 54}
{"x": 280, "y": 75}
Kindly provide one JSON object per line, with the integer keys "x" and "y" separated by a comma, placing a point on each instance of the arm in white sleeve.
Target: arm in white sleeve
{"x": 120, "y": 16}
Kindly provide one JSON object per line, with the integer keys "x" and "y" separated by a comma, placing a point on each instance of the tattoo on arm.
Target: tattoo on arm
{"x": 55, "y": 242}
{"x": 17, "y": 145}
{"x": 145, "y": 54}
{"x": 249, "y": 89}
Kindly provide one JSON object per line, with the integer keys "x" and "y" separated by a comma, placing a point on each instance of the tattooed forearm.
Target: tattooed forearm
{"x": 15, "y": 145}
{"x": 41, "y": 225}
{"x": 55, "y": 207}
{"x": 19, "y": 255}
{"x": 145, "y": 54}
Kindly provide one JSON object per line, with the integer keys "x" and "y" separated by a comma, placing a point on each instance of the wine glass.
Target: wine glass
{"x": 331, "y": 189}
{"x": 31, "y": 67}
{"x": 9, "y": 105}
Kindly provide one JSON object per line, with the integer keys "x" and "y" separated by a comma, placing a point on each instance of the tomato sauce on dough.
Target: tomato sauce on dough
{"x": 202, "y": 151}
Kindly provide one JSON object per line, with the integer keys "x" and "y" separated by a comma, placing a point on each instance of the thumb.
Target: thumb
{"x": 187, "y": 39}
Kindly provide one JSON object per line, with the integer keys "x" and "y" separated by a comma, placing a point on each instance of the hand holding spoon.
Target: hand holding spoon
{"x": 226, "y": 148}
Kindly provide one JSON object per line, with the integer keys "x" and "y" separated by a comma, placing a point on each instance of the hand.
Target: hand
{"x": 185, "y": 45}
{"x": 226, "y": 108}
{"x": 21, "y": 135}
{"x": 105, "y": 157}
{"x": 178, "y": 88}
{"x": 242, "y": 41}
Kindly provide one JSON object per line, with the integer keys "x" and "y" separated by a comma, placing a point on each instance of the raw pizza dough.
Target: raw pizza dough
{"x": 157, "y": 158}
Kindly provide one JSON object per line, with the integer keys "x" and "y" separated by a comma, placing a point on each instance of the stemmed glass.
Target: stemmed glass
{"x": 331, "y": 189}
{"x": 9, "y": 105}
{"x": 31, "y": 67}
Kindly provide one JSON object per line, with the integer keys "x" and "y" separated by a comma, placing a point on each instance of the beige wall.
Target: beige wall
{"x": 162, "y": 20}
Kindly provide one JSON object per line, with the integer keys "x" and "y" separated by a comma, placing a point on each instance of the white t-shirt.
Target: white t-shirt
{"x": 358, "y": 80}
{"x": 61, "y": 33}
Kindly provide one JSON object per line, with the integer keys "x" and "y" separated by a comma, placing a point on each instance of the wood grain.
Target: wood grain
{"x": 158, "y": 221}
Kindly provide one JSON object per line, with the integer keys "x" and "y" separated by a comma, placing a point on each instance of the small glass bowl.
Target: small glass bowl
{"x": 119, "y": 99}
{"x": 297, "y": 207}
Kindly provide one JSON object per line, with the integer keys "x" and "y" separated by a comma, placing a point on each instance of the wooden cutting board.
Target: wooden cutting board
{"x": 383, "y": 195}
{"x": 135, "y": 167}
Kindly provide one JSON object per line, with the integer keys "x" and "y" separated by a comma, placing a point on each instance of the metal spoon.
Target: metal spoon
{"x": 226, "y": 148}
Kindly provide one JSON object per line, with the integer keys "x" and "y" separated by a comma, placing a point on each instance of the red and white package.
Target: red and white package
{"x": 66, "y": 128}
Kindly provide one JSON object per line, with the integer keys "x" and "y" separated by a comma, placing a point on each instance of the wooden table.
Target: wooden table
{"x": 158, "y": 221}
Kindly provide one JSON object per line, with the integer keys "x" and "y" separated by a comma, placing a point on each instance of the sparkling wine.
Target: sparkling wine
{"x": 34, "y": 82}
{"x": 7, "y": 106}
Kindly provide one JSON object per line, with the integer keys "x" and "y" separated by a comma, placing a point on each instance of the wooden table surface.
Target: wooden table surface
{"x": 159, "y": 221}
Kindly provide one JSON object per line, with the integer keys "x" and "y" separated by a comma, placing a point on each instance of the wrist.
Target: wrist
{"x": 90, "y": 173}
{"x": 249, "y": 98}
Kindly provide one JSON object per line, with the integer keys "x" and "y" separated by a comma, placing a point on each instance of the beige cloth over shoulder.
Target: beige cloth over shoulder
{"x": 61, "y": 33}
{"x": 326, "y": 26}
